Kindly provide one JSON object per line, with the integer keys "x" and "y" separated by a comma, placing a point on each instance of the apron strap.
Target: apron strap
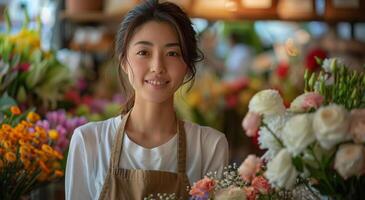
{"x": 118, "y": 145}
{"x": 181, "y": 149}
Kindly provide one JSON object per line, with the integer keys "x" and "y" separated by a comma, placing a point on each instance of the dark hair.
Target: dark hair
{"x": 165, "y": 12}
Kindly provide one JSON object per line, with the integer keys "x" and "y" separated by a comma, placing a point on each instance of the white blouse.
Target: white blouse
{"x": 90, "y": 149}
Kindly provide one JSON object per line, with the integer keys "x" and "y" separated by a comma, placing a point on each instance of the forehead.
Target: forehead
{"x": 155, "y": 32}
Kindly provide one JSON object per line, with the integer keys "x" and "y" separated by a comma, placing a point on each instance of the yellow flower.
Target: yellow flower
{"x": 10, "y": 157}
{"x": 33, "y": 117}
{"x": 194, "y": 99}
{"x": 53, "y": 134}
{"x": 15, "y": 110}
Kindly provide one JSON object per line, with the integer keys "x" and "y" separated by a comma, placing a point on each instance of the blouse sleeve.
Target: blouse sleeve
{"x": 78, "y": 169}
{"x": 216, "y": 155}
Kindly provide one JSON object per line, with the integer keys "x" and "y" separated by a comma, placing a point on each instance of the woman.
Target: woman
{"x": 147, "y": 150}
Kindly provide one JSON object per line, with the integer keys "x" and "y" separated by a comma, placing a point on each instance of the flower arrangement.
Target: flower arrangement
{"x": 64, "y": 125}
{"x": 27, "y": 158}
{"x": 319, "y": 140}
{"x": 32, "y": 76}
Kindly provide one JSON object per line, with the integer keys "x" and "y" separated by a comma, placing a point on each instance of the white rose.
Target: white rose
{"x": 331, "y": 124}
{"x": 267, "y": 140}
{"x": 329, "y": 64}
{"x": 298, "y": 133}
{"x": 267, "y": 102}
{"x": 350, "y": 160}
{"x": 281, "y": 171}
{"x": 231, "y": 193}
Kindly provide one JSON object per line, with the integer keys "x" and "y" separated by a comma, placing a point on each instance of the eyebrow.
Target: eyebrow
{"x": 150, "y": 44}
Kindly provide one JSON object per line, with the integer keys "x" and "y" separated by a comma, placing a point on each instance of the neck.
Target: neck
{"x": 152, "y": 119}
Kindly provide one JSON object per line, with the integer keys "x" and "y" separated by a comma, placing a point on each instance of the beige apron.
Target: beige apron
{"x": 135, "y": 184}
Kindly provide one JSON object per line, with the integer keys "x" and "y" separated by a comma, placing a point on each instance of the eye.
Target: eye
{"x": 173, "y": 53}
{"x": 142, "y": 53}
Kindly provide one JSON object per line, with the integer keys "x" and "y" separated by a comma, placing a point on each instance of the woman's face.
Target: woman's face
{"x": 155, "y": 65}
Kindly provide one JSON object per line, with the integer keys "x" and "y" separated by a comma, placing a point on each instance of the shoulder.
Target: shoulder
{"x": 204, "y": 134}
{"x": 96, "y": 132}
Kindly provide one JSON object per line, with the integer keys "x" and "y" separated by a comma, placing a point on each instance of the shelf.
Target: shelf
{"x": 91, "y": 17}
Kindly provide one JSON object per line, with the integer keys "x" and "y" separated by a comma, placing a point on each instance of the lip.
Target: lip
{"x": 157, "y": 82}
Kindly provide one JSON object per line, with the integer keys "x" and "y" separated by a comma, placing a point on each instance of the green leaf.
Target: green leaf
{"x": 298, "y": 163}
{"x": 6, "y": 102}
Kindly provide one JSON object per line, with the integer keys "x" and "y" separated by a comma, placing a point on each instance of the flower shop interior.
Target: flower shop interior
{"x": 58, "y": 71}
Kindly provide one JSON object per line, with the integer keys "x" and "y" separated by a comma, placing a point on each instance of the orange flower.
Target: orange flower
{"x": 6, "y": 127}
{"x": 6, "y": 144}
{"x": 47, "y": 149}
{"x": 58, "y": 173}
{"x": 58, "y": 155}
{"x": 10, "y": 157}
{"x": 33, "y": 117}
{"x": 44, "y": 166}
{"x": 15, "y": 110}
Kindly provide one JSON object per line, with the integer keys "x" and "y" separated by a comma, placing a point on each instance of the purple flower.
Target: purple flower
{"x": 44, "y": 124}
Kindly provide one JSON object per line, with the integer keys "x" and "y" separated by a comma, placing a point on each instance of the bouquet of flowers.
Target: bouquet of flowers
{"x": 27, "y": 158}
{"x": 319, "y": 140}
{"x": 64, "y": 125}
{"x": 32, "y": 76}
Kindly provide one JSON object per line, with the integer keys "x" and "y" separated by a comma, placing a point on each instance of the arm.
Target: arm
{"x": 78, "y": 169}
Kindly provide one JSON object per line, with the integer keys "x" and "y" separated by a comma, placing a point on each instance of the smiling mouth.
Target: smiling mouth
{"x": 157, "y": 82}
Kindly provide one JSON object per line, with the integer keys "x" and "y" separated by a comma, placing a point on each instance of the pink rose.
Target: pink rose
{"x": 251, "y": 123}
{"x": 250, "y": 167}
{"x": 261, "y": 184}
{"x": 251, "y": 193}
{"x": 196, "y": 192}
{"x": 357, "y": 125}
{"x": 306, "y": 101}
{"x": 202, "y": 186}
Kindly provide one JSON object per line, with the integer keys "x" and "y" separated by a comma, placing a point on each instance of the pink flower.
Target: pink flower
{"x": 251, "y": 193}
{"x": 202, "y": 186}
{"x": 251, "y": 123}
{"x": 261, "y": 184}
{"x": 196, "y": 192}
{"x": 357, "y": 125}
{"x": 306, "y": 101}
{"x": 250, "y": 167}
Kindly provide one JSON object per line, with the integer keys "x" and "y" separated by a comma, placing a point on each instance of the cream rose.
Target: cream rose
{"x": 350, "y": 160}
{"x": 298, "y": 133}
{"x": 331, "y": 124}
{"x": 357, "y": 125}
{"x": 231, "y": 193}
{"x": 267, "y": 102}
{"x": 281, "y": 171}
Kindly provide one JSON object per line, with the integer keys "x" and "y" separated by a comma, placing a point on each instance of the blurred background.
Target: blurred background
{"x": 249, "y": 45}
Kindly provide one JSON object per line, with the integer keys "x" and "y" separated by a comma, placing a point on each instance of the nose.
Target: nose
{"x": 157, "y": 64}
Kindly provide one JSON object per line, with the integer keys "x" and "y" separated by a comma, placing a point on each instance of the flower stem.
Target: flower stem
{"x": 272, "y": 133}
